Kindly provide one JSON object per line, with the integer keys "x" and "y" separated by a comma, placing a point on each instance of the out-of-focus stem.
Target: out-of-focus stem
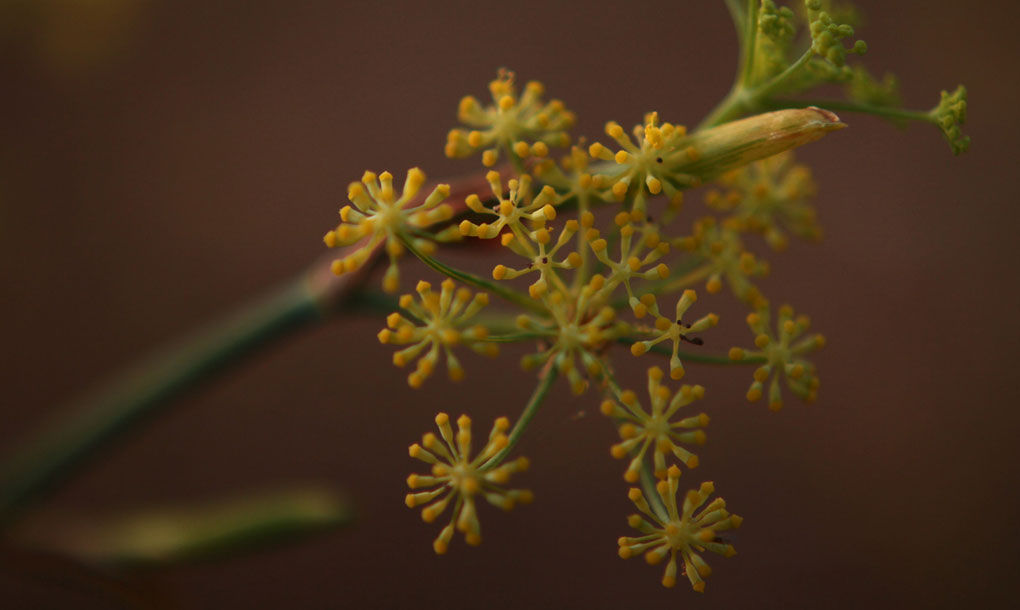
{"x": 95, "y": 420}
{"x": 162, "y": 536}
{"x": 92, "y": 422}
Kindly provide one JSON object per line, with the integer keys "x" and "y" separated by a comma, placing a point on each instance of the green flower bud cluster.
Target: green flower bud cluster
{"x": 949, "y": 115}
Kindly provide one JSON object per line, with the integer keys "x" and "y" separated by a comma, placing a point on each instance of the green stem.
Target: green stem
{"x": 750, "y": 41}
{"x": 766, "y": 89}
{"x": 689, "y": 357}
{"x": 582, "y": 274}
{"x": 651, "y": 493}
{"x": 738, "y": 15}
{"x": 517, "y": 337}
{"x": 743, "y": 101}
{"x": 515, "y": 161}
{"x": 647, "y": 479}
{"x": 537, "y": 397}
{"x": 211, "y": 530}
{"x": 688, "y": 279}
{"x": 746, "y": 23}
{"x": 510, "y": 295}
{"x": 93, "y": 421}
{"x": 847, "y": 106}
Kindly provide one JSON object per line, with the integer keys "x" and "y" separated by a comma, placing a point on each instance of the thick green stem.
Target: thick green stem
{"x": 139, "y": 392}
{"x": 537, "y": 397}
{"x": 748, "y": 43}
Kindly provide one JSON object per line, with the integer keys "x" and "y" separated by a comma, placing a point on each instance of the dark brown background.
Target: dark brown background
{"x": 164, "y": 162}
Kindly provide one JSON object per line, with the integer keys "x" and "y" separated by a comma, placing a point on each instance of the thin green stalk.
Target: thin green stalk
{"x": 92, "y": 422}
{"x": 473, "y": 280}
{"x": 847, "y": 106}
{"x": 647, "y": 480}
{"x": 762, "y": 92}
{"x": 648, "y": 483}
{"x": 583, "y": 270}
{"x": 690, "y": 357}
{"x": 515, "y": 161}
{"x": 742, "y": 101}
{"x": 517, "y": 337}
{"x": 688, "y": 279}
{"x": 537, "y": 397}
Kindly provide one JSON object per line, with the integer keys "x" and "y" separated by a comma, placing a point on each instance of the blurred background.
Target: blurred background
{"x": 163, "y": 162}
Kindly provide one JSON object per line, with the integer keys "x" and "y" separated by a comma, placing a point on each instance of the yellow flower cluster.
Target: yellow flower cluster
{"x": 510, "y": 212}
{"x": 679, "y": 531}
{"x": 523, "y": 125}
{"x": 782, "y": 355}
{"x": 593, "y": 283}
{"x": 724, "y": 256}
{"x": 673, "y": 331}
{"x": 378, "y": 215}
{"x": 460, "y": 479}
{"x": 767, "y": 196}
{"x": 442, "y": 320}
{"x": 648, "y": 162}
{"x": 642, "y": 429}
